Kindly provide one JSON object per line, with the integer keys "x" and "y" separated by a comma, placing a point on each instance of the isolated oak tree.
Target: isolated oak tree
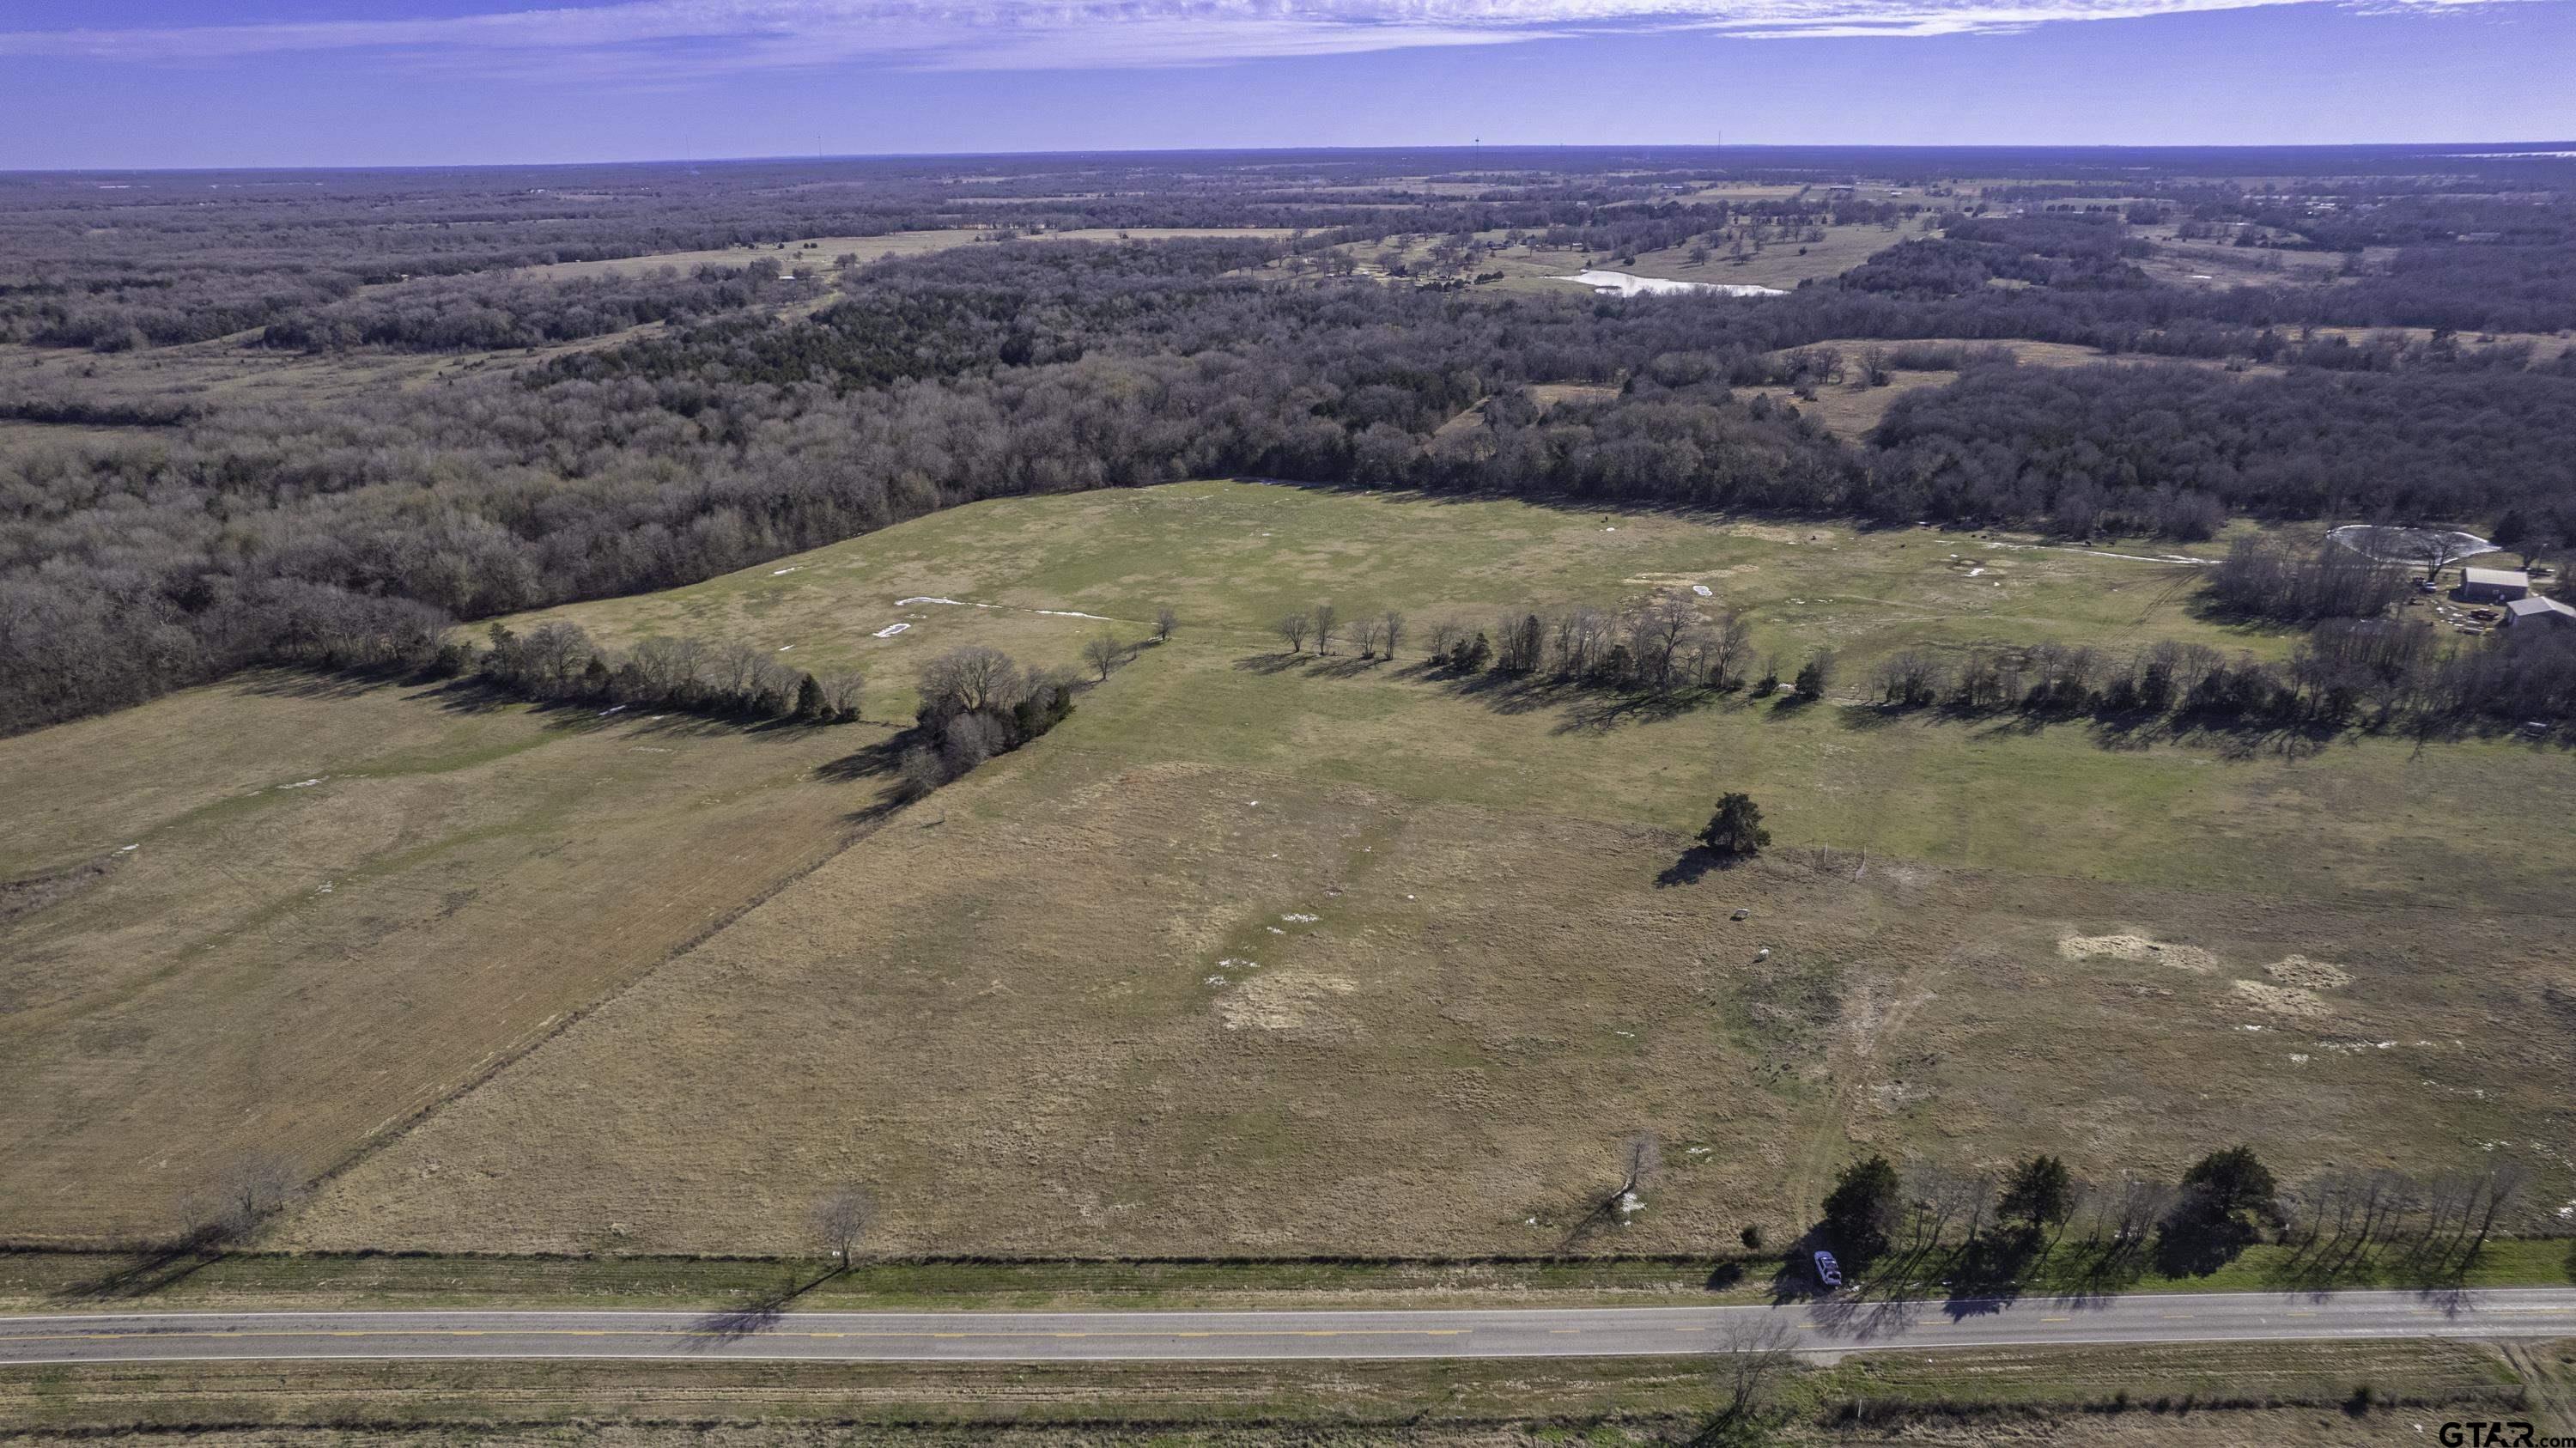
{"x": 1736, "y": 828}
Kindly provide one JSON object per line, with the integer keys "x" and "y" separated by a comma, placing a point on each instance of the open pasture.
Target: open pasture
{"x": 278, "y": 917}
{"x": 1273, "y": 954}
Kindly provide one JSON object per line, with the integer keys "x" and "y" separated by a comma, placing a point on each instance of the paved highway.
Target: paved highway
{"x": 1822, "y": 1329}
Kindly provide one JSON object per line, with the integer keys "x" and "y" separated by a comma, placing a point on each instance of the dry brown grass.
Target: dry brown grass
{"x": 294, "y": 967}
{"x": 1006, "y": 1011}
{"x": 2222, "y": 1397}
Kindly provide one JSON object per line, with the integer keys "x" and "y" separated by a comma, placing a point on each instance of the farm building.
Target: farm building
{"x": 2538, "y": 610}
{"x": 2493, "y": 585}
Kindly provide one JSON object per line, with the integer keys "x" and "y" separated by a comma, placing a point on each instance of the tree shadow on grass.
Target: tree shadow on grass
{"x": 1597, "y": 711}
{"x": 1695, "y": 864}
{"x": 756, "y": 1316}
{"x": 147, "y": 1273}
{"x": 323, "y": 683}
{"x": 1869, "y": 718}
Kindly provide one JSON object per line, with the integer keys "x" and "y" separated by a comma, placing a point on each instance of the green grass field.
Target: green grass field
{"x": 1270, "y": 954}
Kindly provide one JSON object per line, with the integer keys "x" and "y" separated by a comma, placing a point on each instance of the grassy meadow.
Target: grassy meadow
{"x": 284, "y": 916}
{"x": 1267, "y": 954}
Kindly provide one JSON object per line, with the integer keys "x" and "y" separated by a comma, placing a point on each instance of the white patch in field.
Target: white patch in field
{"x": 1301, "y": 918}
{"x": 951, "y": 602}
{"x": 1623, "y": 284}
{"x": 1069, "y": 613}
{"x": 1275, "y": 930}
{"x": 2298, "y": 1058}
{"x": 890, "y": 630}
{"x": 1702, "y": 590}
{"x": 782, "y": 648}
{"x": 790, "y": 568}
{"x": 129, "y": 849}
{"x": 305, "y": 783}
{"x": 1216, "y": 980}
{"x": 612, "y": 709}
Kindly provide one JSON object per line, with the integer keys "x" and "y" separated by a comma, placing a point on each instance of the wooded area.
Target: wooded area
{"x": 210, "y": 534}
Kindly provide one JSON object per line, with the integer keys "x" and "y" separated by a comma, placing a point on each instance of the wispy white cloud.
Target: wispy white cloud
{"x": 673, "y": 37}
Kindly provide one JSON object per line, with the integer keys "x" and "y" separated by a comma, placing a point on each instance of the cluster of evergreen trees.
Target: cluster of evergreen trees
{"x": 2224, "y": 1202}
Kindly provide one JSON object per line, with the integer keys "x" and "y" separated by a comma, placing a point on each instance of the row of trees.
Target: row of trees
{"x": 559, "y": 661}
{"x": 2378, "y": 673}
{"x": 2223, "y": 1203}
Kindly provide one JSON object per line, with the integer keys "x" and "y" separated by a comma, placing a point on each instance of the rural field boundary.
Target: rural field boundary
{"x": 501, "y": 1060}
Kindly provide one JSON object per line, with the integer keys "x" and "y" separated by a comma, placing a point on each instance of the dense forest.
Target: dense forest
{"x": 211, "y": 534}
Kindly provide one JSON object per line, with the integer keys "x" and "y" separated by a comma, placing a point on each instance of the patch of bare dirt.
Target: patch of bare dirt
{"x": 1284, "y": 1001}
{"x": 2281, "y": 1000}
{"x": 21, "y": 898}
{"x": 2138, "y": 948}
{"x": 2298, "y": 970}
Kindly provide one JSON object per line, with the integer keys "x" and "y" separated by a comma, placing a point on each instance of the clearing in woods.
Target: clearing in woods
{"x": 1273, "y": 954}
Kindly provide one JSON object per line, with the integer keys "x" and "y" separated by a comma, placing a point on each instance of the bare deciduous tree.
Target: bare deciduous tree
{"x": 841, "y": 1218}
{"x": 1758, "y": 1350}
{"x": 1393, "y": 627}
{"x": 1640, "y": 1157}
{"x": 1166, "y": 622}
{"x": 842, "y": 693}
{"x": 1730, "y": 646}
{"x": 922, "y": 771}
{"x": 970, "y": 680}
{"x": 253, "y": 1187}
{"x": 1103, "y": 654}
{"x": 1326, "y": 620}
{"x": 2501, "y": 1184}
{"x": 1364, "y": 633}
{"x": 1293, "y": 628}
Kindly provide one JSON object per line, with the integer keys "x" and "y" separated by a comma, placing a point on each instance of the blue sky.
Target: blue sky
{"x": 144, "y": 83}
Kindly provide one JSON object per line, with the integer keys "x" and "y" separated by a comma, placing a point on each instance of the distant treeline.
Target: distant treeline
{"x": 267, "y": 532}
{"x": 489, "y": 312}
